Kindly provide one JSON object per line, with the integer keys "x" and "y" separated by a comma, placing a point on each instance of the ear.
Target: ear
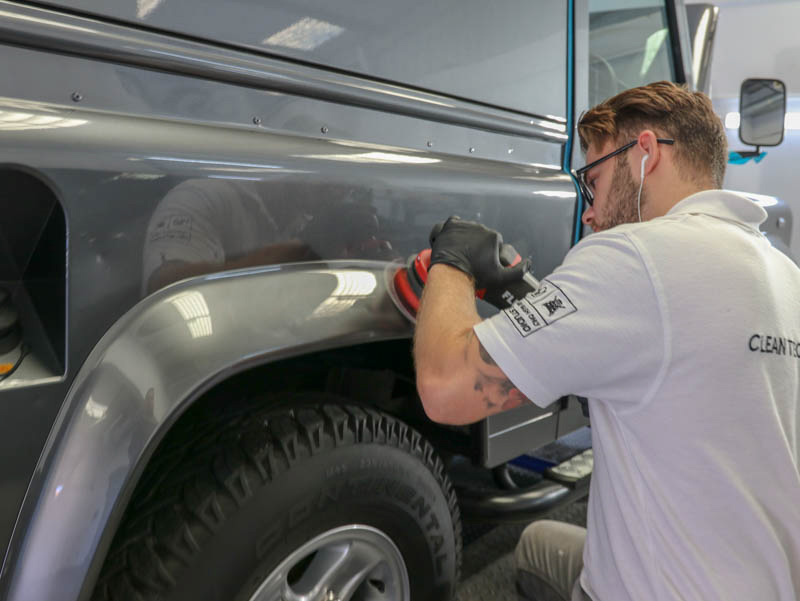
{"x": 647, "y": 145}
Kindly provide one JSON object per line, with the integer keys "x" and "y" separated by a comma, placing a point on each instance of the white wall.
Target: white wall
{"x": 755, "y": 38}
{"x": 759, "y": 38}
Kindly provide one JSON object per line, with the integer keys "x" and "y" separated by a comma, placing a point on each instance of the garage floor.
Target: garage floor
{"x": 487, "y": 572}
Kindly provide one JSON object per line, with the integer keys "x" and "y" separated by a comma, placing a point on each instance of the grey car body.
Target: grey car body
{"x": 186, "y": 199}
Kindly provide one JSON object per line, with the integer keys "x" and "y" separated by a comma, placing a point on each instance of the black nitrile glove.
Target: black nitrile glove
{"x": 474, "y": 249}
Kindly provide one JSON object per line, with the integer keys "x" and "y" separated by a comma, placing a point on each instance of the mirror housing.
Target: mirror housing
{"x": 762, "y": 110}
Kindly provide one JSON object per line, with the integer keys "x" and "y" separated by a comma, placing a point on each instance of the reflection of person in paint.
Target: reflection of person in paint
{"x": 208, "y": 225}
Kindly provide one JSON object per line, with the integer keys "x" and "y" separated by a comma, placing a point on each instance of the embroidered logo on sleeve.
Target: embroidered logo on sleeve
{"x": 544, "y": 289}
{"x": 538, "y": 309}
{"x": 172, "y": 227}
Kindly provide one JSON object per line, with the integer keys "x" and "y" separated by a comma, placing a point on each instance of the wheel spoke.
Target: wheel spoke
{"x": 361, "y": 559}
{"x": 318, "y": 577}
{"x": 338, "y": 568}
{"x": 343, "y": 560}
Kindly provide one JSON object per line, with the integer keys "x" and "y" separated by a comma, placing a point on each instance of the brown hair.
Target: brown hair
{"x": 670, "y": 110}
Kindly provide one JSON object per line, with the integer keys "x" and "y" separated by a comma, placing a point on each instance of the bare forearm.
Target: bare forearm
{"x": 457, "y": 379}
{"x": 444, "y": 321}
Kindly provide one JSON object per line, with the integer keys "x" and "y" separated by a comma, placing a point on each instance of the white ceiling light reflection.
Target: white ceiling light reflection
{"x": 374, "y": 157}
{"x": 194, "y": 310}
{"x": 95, "y": 410}
{"x": 306, "y": 34}
{"x": 145, "y": 7}
{"x": 351, "y": 286}
{"x": 389, "y": 157}
{"x": 554, "y": 126}
{"x": 17, "y": 120}
{"x": 651, "y": 47}
{"x": 790, "y": 120}
{"x": 554, "y": 193}
{"x": 138, "y": 176}
{"x": 214, "y": 163}
{"x": 699, "y": 39}
{"x": 537, "y": 170}
{"x": 223, "y": 166}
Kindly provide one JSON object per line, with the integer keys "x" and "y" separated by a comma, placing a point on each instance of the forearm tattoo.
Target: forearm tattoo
{"x": 497, "y": 391}
{"x": 487, "y": 358}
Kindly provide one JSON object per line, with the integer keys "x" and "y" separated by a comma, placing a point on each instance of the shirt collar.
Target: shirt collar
{"x": 724, "y": 205}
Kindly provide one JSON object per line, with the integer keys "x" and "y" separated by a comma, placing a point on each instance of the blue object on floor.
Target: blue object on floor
{"x": 532, "y": 464}
{"x": 556, "y": 452}
{"x": 734, "y": 158}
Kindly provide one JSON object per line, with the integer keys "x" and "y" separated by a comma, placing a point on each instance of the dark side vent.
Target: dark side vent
{"x": 33, "y": 277}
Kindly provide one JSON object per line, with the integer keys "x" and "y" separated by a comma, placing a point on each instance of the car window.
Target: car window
{"x": 507, "y": 53}
{"x": 629, "y": 45}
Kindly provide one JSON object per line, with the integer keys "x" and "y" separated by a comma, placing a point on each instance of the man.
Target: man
{"x": 206, "y": 225}
{"x": 681, "y": 324}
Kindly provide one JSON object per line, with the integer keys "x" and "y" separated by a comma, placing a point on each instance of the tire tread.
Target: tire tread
{"x": 202, "y": 475}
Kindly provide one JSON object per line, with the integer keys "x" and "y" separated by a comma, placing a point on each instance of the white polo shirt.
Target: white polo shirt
{"x": 208, "y": 221}
{"x": 684, "y": 333}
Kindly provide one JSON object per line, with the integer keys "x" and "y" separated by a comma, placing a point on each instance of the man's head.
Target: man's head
{"x": 675, "y": 132}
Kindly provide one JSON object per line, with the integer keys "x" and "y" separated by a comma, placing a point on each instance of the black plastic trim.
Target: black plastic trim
{"x": 520, "y": 505}
{"x": 675, "y": 41}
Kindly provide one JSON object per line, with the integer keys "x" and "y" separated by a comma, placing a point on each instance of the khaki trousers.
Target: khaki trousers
{"x": 549, "y": 560}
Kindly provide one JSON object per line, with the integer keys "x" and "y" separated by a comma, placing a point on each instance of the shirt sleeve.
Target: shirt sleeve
{"x": 182, "y": 229}
{"x": 594, "y": 328}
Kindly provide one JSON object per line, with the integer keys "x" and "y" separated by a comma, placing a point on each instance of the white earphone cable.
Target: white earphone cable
{"x": 641, "y": 183}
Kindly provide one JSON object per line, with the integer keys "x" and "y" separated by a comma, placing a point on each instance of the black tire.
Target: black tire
{"x": 220, "y": 513}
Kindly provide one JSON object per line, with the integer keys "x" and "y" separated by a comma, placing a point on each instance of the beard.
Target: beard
{"x": 622, "y": 199}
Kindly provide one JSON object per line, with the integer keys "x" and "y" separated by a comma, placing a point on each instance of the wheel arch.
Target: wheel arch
{"x": 162, "y": 356}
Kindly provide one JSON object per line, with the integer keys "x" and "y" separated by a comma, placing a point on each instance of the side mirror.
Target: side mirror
{"x": 762, "y": 110}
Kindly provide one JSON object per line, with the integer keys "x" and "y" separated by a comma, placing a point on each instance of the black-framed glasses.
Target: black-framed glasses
{"x": 580, "y": 174}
